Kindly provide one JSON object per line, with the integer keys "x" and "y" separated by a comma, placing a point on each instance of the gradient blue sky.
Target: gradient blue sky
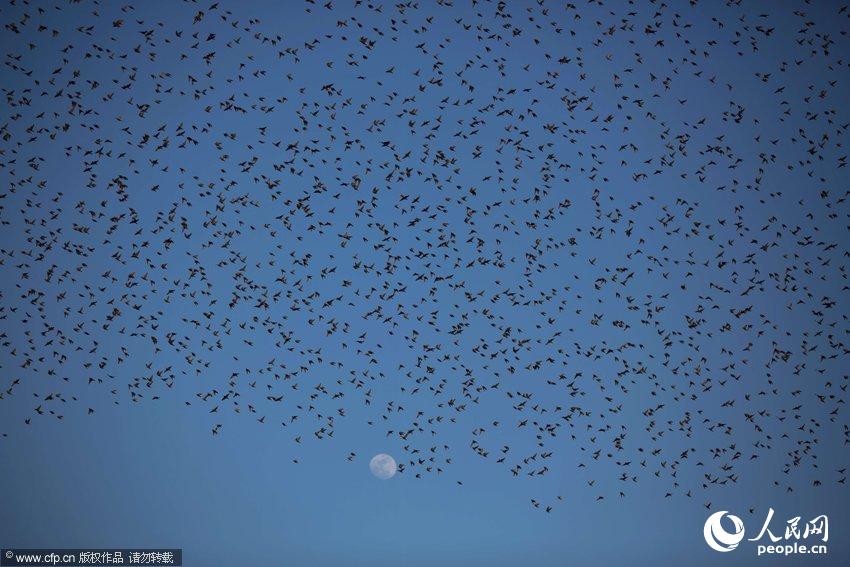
{"x": 148, "y": 472}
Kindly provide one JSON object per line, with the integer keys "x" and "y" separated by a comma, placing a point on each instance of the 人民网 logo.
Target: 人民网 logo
{"x": 719, "y": 538}
{"x": 716, "y": 535}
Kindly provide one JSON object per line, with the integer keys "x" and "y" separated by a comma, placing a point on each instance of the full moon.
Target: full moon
{"x": 382, "y": 466}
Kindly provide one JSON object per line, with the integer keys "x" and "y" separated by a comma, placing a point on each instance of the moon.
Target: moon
{"x": 382, "y": 466}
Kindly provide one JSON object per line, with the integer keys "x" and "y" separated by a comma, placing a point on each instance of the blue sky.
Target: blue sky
{"x": 571, "y": 214}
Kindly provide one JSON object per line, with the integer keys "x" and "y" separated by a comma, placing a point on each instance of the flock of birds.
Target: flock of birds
{"x": 599, "y": 238}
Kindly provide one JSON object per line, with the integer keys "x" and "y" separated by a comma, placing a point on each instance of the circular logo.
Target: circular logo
{"x": 717, "y": 537}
